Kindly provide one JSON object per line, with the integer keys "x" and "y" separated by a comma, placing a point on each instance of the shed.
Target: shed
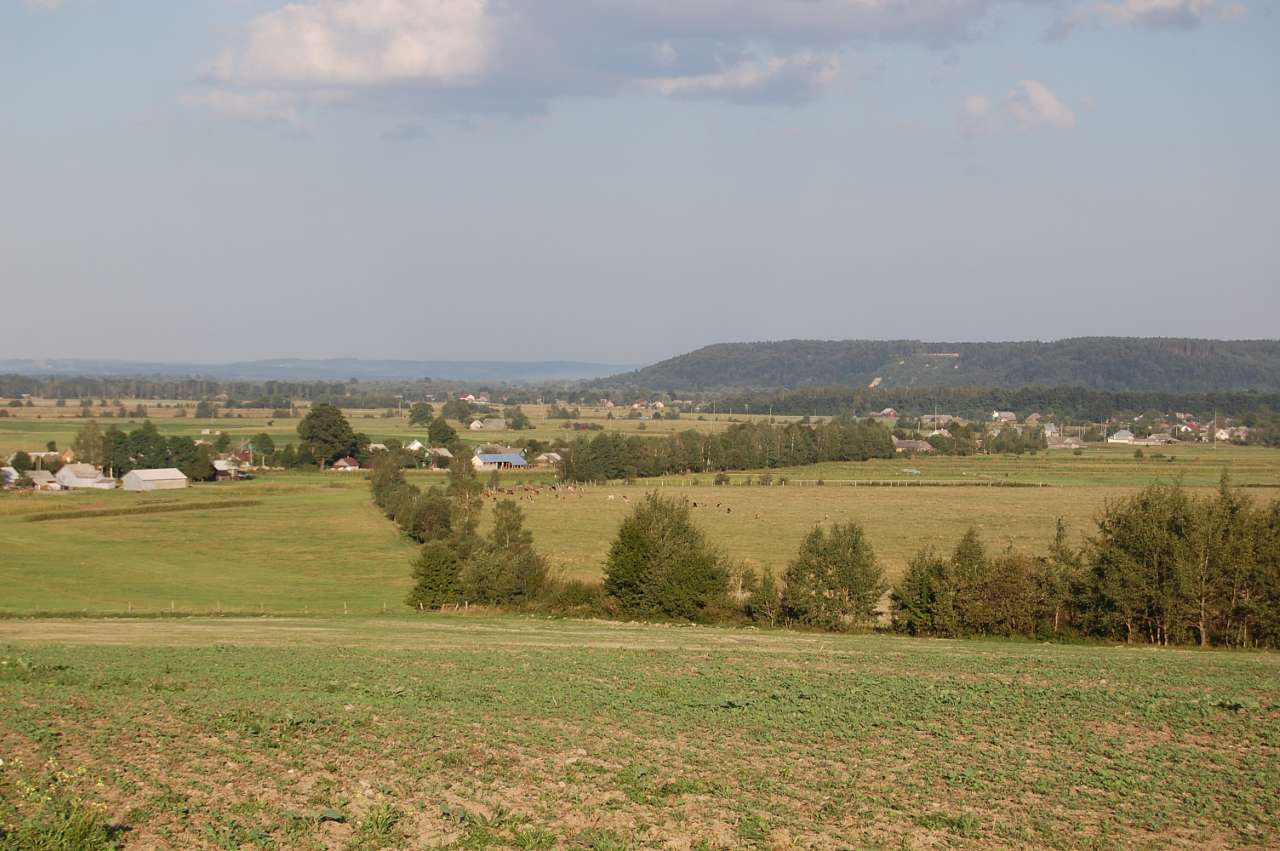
{"x": 166, "y": 479}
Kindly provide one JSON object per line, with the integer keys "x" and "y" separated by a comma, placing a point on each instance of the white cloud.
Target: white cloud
{"x": 519, "y": 54}
{"x": 1149, "y": 14}
{"x": 363, "y": 42}
{"x": 778, "y": 77}
{"x": 1029, "y": 105}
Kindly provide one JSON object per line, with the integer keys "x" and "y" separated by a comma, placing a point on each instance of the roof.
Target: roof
{"x": 40, "y": 477}
{"x": 504, "y": 458}
{"x": 440, "y": 452}
{"x": 161, "y": 475}
{"x": 82, "y": 471}
{"x": 223, "y": 466}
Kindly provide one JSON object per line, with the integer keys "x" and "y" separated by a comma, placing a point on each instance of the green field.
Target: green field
{"x": 314, "y": 542}
{"x": 449, "y": 731}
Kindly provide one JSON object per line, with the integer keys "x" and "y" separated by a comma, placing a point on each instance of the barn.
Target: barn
{"x": 155, "y": 480}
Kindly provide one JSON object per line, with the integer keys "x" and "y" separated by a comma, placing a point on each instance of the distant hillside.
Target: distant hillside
{"x": 1098, "y": 363}
{"x": 301, "y": 369}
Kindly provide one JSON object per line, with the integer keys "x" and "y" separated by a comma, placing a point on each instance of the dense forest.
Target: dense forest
{"x": 1167, "y": 365}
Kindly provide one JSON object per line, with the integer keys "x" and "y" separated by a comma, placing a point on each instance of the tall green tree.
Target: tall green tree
{"x": 435, "y": 574}
{"x": 420, "y": 414}
{"x": 87, "y": 446}
{"x": 440, "y": 433}
{"x": 835, "y": 580}
{"x": 326, "y": 433}
{"x": 661, "y": 565}
{"x": 505, "y": 569}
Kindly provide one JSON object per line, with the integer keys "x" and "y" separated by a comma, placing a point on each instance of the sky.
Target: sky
{"x": 620, "y": 181}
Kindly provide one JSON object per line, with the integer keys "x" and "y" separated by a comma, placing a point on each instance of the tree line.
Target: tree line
{"x": 1164, "y": 567}
{"x": 742, "y": 446}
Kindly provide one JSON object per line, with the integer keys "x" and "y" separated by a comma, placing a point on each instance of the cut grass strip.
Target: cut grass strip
{"x": 164, "y": 508}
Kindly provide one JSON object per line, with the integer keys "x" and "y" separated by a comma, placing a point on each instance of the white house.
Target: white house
{"x": 73, "y": 476}
{"x": 1122, "y": 436}
{"x": 413, "y": 446}
{"x": 166, "y": 479}
{"x": 377, "y": 447}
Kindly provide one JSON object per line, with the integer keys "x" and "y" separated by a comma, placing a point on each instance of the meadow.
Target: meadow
{"x": 314, "y": 543}
{"x": 479, "y": 732}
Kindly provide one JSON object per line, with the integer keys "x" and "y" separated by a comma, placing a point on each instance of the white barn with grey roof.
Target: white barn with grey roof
{"x": 166, "y": 479}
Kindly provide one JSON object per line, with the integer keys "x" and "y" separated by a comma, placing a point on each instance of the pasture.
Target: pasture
{"x": 469, "y": 732}
{"x": 314, "y": 543}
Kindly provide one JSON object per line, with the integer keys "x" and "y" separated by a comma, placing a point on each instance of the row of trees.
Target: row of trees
{"x": 1164, "y": 567}
{"x": 743, "y": 446}
{"x": 456, "y": 564}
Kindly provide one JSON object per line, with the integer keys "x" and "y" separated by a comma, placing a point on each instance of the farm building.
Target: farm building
{"x": 912, "y": 445}
{"x": 43, "y": 480}
{"x": 1122, "y": 436}
{"x": 166, "y": 479}
{"x": 9, "y": 476}
{"x": 76, "y": 476}
{"x": 413, "y": 446}
{"x": 547, "y": 459}
{"x": 345, "y": 465}
{"x": 377, "y": 447}
{"x": 1057, "y": 442}
{"x": 1004, "y": 416}
{"x": 491, "y": 424}
{"x": 505, "y": 461}
{"x": 225, "y": 470}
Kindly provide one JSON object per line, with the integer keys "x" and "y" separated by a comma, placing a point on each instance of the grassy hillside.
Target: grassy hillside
{"x": 1101, "y": 363}
{"x": 456, "y": 732}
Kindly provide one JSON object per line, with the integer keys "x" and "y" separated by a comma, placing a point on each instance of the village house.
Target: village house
{"x": 84, "y": 476}
{"x": 9, "y": 476}
{"x": 912, "y": 445}
{"x": 413, "y": 446}
{"x": 1121, "y": 436}
{"x": 345, "y": 465}
{"x": 225, "y": 470}
{"x": 440, "y": 452}
{"x": 1004, "y": 417}
{"x": 547, "y": 459}
{"x": 165, "y": 479}
{"x": 491, "y": 424}
{"x": 889, "y": 413}
{"x": 1059, "y": 442}
{"x": 43, "y": 480}
{"x": 504, "y": 461}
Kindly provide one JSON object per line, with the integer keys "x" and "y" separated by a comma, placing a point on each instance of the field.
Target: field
{"x": 31, "y": 428}
{"x": 313, "y": 543}
{"x": 467, "y": 732}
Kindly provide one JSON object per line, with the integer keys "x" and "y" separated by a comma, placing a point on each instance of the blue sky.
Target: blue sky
{"x": 621, "y": 180}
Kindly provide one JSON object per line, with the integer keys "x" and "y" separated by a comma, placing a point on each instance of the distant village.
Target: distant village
{"x": 53, "y": 469}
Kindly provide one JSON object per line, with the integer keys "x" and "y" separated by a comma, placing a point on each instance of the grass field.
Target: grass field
{"x": 449, "y": 731}
{"x": 314, "y": 543}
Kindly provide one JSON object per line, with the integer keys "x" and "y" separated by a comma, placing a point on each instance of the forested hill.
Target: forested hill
{"x": 1098, "y": 363}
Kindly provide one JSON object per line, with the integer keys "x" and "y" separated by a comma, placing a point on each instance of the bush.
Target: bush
{"x": 835, "y": 581}
{"x": 661, "y": 565}
{"x": 573, "y": 598}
